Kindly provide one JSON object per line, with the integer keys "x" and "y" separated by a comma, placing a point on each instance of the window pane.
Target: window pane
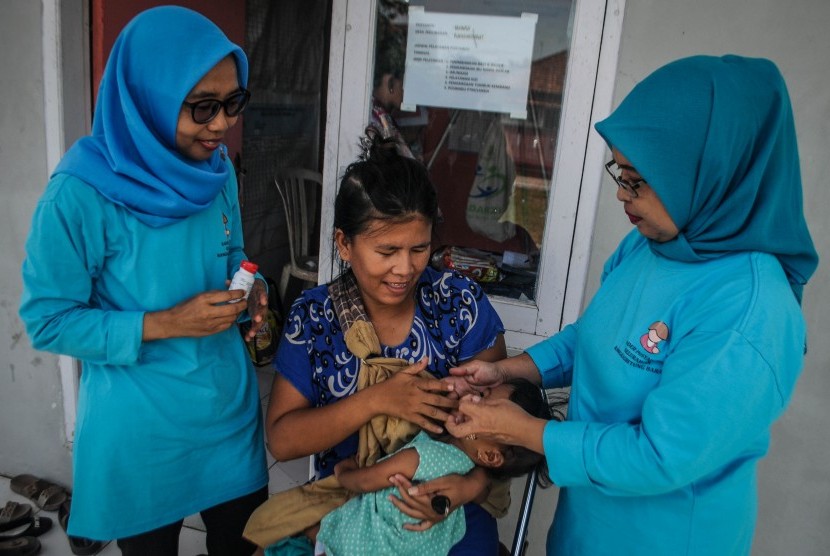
{"x": 492, "y": 169}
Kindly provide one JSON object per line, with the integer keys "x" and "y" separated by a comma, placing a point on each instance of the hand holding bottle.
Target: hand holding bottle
{"x": 202, "y": 315}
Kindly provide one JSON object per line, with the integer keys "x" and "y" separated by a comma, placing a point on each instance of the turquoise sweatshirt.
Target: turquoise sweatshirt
{"x": 165, "y": 428}
{"x": 677, "y": 370}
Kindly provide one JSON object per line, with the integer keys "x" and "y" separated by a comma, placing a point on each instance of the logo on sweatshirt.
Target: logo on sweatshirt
{"x": 645, "y": 356}
{"x": 657, "y": 332}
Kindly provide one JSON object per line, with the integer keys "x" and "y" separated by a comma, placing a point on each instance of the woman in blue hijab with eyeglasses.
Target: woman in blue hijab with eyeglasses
{"x": 691, "y": 348}
{"x": 127, "y": 269}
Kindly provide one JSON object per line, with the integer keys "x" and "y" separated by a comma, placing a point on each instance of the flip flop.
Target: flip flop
{"x": 24, "y": 546}
{"x": 46, "y": 494}
{"x": 79, "y": 546}
{"x": 13, "y": 515}
{"x": 35, "y": 527}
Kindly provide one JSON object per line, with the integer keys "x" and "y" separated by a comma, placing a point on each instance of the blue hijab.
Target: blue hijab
{"x": 715, "y": 139}
{"x": 131, "y": 156}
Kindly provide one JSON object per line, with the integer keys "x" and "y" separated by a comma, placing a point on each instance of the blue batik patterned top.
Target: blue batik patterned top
{"x": 453, "y": 322}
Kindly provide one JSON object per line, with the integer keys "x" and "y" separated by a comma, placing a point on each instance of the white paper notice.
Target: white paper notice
{"x": 473, "y": 62}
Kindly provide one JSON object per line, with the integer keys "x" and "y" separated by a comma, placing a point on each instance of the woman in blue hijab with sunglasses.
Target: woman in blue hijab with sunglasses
{"x": 127, "y": 269}
{"x": 691, "y": 348}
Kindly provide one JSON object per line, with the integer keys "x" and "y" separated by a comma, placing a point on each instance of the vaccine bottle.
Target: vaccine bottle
{"x": 243, "y": 279}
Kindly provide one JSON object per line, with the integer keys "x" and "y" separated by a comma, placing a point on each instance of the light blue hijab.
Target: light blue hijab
{"x": 715, "y": 139}
{"x": 131, "y": 156}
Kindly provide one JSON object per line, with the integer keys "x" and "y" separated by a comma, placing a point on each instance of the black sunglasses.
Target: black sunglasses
{"x": 205, "y": 110}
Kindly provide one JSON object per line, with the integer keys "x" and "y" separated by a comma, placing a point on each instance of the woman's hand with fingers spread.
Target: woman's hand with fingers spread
{"x": 423, "y": 401}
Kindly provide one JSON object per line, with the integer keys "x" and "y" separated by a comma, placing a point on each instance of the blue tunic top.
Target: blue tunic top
{"x": 453, "y": 321}
{"x": 157, "y": 422}
{"x": 678, "y": 370}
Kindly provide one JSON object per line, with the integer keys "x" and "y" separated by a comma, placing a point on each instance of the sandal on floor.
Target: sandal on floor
{"x": 34, "y": 527}
{"x": 24, "y": 546}
{"x": 79, "y": 546}
{"x": 14, "y": 515}
{"x": 46, "y": 494}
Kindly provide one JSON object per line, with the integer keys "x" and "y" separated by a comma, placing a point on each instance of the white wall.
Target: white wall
{"x": 794, "y": 479}
{"x": 31, "y": 411}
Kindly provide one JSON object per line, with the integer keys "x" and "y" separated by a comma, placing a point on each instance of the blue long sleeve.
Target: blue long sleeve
{"x": 675, "y": 387}
{"x": 62, "y": 311}
{"x": 691, "y": 425}
{"x": 144, "y": 408}
{"x": 554, "y": 357}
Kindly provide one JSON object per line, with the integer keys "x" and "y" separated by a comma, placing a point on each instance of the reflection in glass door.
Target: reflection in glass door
{"x": 518, "y": 187}
{"x": 492, "y": 168}
{"x": 287, "y": 47}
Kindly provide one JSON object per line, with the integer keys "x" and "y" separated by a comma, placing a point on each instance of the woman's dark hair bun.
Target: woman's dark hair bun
{"x": 382, "y": 184}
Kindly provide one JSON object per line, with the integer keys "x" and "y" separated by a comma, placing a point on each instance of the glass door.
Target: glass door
{"x": 496, "y": 98}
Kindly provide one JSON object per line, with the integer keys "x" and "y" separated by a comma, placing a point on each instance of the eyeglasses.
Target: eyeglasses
{"x": 205, "y": 110}
{"x": 615, "y": 172}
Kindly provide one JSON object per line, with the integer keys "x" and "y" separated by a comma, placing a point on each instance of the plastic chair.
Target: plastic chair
{"x": 300, "y": 191}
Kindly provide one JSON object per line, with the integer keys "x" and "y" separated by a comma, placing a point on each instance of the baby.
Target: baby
{"x": 371, "y": 524}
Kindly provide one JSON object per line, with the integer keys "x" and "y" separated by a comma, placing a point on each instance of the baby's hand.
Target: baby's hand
{"x": 344, "y": 466}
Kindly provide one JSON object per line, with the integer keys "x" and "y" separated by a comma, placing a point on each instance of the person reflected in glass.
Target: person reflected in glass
{"x": 387, "y": 91}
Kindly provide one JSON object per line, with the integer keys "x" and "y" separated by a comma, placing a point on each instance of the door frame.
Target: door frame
{"x": 589, "y": 88}
{"x": 66, "y": 72}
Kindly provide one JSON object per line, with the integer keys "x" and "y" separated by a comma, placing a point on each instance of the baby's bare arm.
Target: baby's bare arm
{"x": 376, "y": 477}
